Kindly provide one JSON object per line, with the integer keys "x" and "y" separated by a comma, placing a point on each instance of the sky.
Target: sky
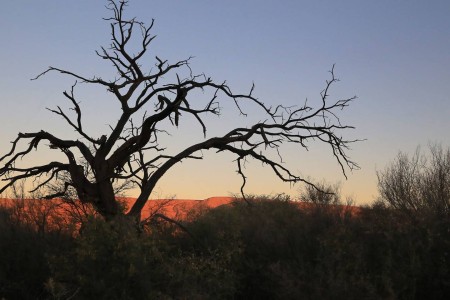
{"x": 393, "y": 55}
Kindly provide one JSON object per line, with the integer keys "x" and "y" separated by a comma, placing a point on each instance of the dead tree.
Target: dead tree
{"x": 132, "y": 151}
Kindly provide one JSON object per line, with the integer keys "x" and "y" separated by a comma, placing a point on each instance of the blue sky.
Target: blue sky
{"x": 394, "y": 55}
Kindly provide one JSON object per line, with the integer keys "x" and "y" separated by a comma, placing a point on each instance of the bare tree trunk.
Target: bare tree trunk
{"x": 107, "y": 204}
{"x": 132, "y": 151}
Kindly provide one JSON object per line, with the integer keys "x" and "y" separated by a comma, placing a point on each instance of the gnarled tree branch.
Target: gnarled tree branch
{"x": 132, "y": 152}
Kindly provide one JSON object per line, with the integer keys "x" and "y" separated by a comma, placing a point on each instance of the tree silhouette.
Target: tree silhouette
{"x": 131, "y": 151}
{"x": 418, "y": 185}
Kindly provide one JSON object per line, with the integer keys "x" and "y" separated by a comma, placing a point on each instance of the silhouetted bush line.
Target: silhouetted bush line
{"x": 273, "y": 249}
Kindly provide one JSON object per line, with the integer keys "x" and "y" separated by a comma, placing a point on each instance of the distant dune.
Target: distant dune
{"x": 57, "y": 212}
{"x": 172, "y": 208}
{"x": 177, "y": 208}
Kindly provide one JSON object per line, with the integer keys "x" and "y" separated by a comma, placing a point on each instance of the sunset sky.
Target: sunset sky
{"x": 393, "y": 55}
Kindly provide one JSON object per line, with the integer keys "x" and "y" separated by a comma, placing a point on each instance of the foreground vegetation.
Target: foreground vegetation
{"x": 272, "y": 248}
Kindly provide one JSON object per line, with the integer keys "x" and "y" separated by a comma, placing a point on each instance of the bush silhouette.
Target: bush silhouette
{"x": 270, "y": 247}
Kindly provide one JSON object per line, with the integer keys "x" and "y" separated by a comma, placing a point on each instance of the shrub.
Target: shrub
{"x": 23, "y": 251}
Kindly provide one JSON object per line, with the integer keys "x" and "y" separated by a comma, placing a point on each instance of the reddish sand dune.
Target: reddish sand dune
{"x": 56, "y": 214}
{"x": 177, "y": 208}
{"x": 172, "y": 208}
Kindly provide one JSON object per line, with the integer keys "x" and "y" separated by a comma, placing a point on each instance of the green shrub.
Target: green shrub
{"x": 23, "y": 252}
{"x": 270, "y": 248}
{"x": 110, "y": 260}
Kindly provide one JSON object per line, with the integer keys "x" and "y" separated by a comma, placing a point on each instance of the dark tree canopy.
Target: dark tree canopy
{"x": 131, "y": 151}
